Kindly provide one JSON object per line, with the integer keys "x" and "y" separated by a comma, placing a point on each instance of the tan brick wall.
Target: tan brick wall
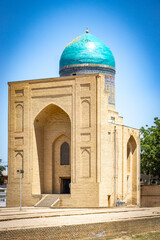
{"x": 46, "y": 112}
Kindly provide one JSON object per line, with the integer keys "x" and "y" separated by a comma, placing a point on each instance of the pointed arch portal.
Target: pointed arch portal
{"x": 132, "y": 171}
{"x": 53, "y": 139}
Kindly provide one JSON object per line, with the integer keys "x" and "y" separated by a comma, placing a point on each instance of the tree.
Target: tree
{"x": 150, "y": 149}
{"x": 2, "y": 168}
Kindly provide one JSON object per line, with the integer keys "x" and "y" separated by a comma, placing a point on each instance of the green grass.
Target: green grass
{"x": 146, "y": 236}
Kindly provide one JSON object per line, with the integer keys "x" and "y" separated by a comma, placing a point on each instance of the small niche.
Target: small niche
{"x": 18, "y": 141}
{"x": 85, "y": 137}
{"x": 85, "y": 87}
{"x": 19, "y": 93}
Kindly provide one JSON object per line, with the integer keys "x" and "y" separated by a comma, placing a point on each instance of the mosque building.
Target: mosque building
{"x": 67, "y": 138}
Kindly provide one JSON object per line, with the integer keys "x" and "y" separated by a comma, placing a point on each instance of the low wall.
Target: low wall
{"x": 95, "y": 231}
{"x": 150, "y": 196}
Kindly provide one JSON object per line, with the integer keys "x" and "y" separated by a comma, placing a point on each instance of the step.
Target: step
{"x": 48, "y": 200}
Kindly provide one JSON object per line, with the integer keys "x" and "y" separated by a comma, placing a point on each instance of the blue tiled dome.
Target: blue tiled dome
{"x": 87, "y": 49}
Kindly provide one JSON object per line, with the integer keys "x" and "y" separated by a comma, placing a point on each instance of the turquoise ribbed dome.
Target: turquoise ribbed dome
{"x": 87, "y": 49}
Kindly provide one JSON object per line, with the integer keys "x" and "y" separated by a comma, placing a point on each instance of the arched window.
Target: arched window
{"x": 64, "y": 154}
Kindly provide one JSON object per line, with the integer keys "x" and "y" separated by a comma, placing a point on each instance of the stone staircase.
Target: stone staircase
{"x": 49, "y": 200}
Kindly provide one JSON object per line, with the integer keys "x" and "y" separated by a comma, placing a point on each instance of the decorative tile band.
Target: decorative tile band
{"x": 87, "y": 65}
{"x": 110, "y": 86}
{"x": 85, "y": 68}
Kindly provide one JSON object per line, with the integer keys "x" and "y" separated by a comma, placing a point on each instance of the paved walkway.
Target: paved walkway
{"x": 12, "y": 218}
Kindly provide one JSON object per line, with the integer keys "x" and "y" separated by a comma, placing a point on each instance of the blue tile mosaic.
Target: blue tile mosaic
{"x": 87, "y": 49}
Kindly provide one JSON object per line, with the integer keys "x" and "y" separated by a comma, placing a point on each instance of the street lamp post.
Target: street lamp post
{"x": 20, "y": 172}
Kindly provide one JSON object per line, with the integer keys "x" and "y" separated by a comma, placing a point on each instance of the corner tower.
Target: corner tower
{"x": 88, "y": 55}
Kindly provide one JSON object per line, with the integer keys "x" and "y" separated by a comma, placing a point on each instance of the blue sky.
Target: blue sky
{"x": 33, "y": 35}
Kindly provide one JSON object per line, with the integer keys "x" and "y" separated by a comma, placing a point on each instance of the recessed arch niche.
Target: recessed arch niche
{"x": 19, "y": 118}
{"x": 132, "y": 170}
{"x": 60, "y": 171}
{"x": 52, "y": 127}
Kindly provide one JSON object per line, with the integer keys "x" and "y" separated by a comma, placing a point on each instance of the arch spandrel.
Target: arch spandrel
{"x": 39, "y": 109}
{"x": 45, "y": 112}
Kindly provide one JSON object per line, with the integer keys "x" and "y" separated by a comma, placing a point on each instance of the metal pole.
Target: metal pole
{"x": 139, "y": 185}
{"x": 115, "y": 165}
{"x": 20, "y": 188}
{"x": 20, "y": 172}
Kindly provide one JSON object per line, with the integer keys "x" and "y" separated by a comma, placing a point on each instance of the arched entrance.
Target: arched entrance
{"x": 132, "y": 171}
{"x": 61, "y": 165}
{"x": 53, "y": 134}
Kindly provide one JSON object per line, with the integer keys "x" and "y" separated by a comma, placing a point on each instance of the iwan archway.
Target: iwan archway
{"x": 53, "y": 141}
{"x": 131, "y": 171}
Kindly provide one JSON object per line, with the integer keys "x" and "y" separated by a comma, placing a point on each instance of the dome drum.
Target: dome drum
{"x": 80, "y": 69}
